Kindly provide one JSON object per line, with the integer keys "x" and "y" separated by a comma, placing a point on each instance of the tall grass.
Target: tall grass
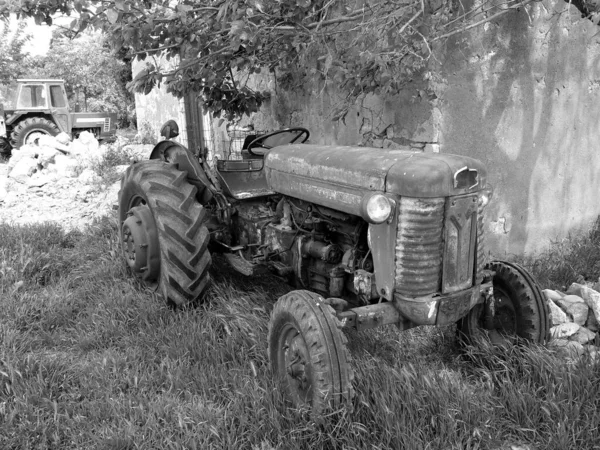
{"x": 572, "y": 259}
{"x": 89, "y": 359}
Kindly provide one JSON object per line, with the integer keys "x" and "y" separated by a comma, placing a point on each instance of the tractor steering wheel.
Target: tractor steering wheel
{"x": 280, "y": 137}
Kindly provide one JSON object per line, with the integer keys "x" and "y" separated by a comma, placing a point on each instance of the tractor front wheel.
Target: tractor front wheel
{"x": 519, "y": 308}
{"x": 29, "y": 130}
{"x": 163, "y": 236}
{"x": 308, "y": 352}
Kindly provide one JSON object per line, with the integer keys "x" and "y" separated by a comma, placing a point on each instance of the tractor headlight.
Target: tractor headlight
{"x": 376, "y": 208}
{"x": 486, "y": 195}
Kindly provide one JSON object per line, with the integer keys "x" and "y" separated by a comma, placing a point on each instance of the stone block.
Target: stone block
{"x": 583, "y": 336}
{"x": 564, "y": 330}
{"x": 589, "y": 295}
{"x": 575, "y": 307}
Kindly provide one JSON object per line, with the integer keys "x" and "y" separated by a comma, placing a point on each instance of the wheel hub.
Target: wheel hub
{"x": 33, "y": 137}
{"x": 297, "y": 366}
{"x": 139, "y": 239}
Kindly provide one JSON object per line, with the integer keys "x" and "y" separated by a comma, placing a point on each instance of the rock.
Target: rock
{"x": 46, "y": 155}
{"x": 589, "y": 295}
{"x": 583, "y": 336}
{"x": 24, "y": 168}
{"x": 77, "y": 148}
{"x": 88, "y": 139}
{"x": 88, "y": 176}
{"x": 25, "y": 152}
{"x": 63, "y": 138}
{"x": 592, "y": 323}
{"x": 50, "y": 141}
{"x": 564, "y": 330}
{"x": 38, "y": 180}
{"x": 553, "y": 295}
{"x": 65, "y": 166}
{"x": 575, "y": 306}
{"x": 557, "y": 315}
{"x": 568, "y": 348}
{"x": 11, "y": 199}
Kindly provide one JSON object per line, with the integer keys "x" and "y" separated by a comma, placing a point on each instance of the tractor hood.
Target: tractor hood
{"x": 339, "y": 177}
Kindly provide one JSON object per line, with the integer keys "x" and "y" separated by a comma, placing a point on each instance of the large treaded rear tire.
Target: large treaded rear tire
{"x": 178, "y": 220}
{"x": 24, "y": 129}
{"x": 521, "y": 309}
{"x": 308, "y": 353}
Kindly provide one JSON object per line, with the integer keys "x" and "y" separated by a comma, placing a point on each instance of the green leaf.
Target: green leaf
{"x": 112, "y": 15}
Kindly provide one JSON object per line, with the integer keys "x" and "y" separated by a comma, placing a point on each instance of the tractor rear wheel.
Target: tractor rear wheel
{"x": 29, "y": 130}
{"x": 519, "y": 308}
{"x": 308, "y": 352}
{"x": 163, "y": 236}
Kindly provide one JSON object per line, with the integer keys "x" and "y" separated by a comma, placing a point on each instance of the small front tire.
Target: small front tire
{"x": 519, "y": 306}
{"x": 308, "y": 352}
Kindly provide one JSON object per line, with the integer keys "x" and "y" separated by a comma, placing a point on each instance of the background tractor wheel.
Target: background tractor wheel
{"x": 28, "y": 130}
{"x": 308, "y": 352}
{"x": 162, "y": 234}
{"x": 520, "y": 307}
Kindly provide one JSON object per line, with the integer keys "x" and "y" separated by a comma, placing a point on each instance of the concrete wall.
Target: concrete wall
{"x": 523, "y": 95}
{"x": 154, "y": 109}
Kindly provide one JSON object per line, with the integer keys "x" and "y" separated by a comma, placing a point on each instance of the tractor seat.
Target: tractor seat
{"x": 243, "y": 179}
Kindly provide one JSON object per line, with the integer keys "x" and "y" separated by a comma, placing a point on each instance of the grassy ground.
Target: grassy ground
{"x": 90, "y": 360}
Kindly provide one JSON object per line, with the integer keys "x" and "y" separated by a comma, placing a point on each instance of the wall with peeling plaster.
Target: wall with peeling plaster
{"x": 400, "y": 121}
{"x": 154, "y": 109}
{"x": 523, "y": 95}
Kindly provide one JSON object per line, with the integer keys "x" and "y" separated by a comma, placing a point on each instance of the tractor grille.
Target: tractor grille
{"x": 480, "y": 244}
{"x": 419, "y": 246}
{"x": 107, "y": 124}
{"x": 439, "y": 245}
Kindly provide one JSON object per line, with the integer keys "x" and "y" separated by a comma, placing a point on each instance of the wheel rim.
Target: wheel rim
{"x": 505, "y": 317}
{"x": 32, "y": 137}
{"x": 139, "y": 239}
{"x": 294, "y": 364}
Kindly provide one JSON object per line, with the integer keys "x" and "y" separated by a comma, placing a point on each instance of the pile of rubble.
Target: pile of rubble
{"x": 57, "y": 180}
{"x": 574, "y": 316}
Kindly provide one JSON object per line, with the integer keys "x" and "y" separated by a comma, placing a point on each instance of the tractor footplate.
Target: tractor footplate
{"x": 244, "y": 266}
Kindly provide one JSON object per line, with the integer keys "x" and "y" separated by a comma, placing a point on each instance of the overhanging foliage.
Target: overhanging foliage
{"x": 366, "y": 46}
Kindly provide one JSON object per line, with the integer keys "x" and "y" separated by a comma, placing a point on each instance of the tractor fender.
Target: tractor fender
{"x": 175, "y": 153}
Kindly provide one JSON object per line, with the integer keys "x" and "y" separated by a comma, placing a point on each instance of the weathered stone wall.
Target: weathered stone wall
{"x": 523, "y": 95}
{"x": 154, "y": 109}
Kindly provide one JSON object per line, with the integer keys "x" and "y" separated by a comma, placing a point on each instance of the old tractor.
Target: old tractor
{"x": 368, "y": 237}
{"x": 36, "y": 107}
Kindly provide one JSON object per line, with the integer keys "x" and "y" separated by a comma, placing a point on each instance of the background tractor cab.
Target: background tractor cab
{"x": 32, "y": 108}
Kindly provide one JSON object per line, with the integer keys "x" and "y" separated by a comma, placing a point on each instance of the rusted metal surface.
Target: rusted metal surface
{"x": 429, "y": 175}
{"x": 185, "y": 160}
{"x": 419, "y": 246}
{"x": 436, "y": 309}
{"x": 481, "y": 258}
{"x": 382, "y": 242}
{"x": 460, "y": 238}
{"x": 370, "y": 316}
{"x": 355, "y": 170}
{"x": 244, "y": 185}
{"x": 457, "y": 305}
